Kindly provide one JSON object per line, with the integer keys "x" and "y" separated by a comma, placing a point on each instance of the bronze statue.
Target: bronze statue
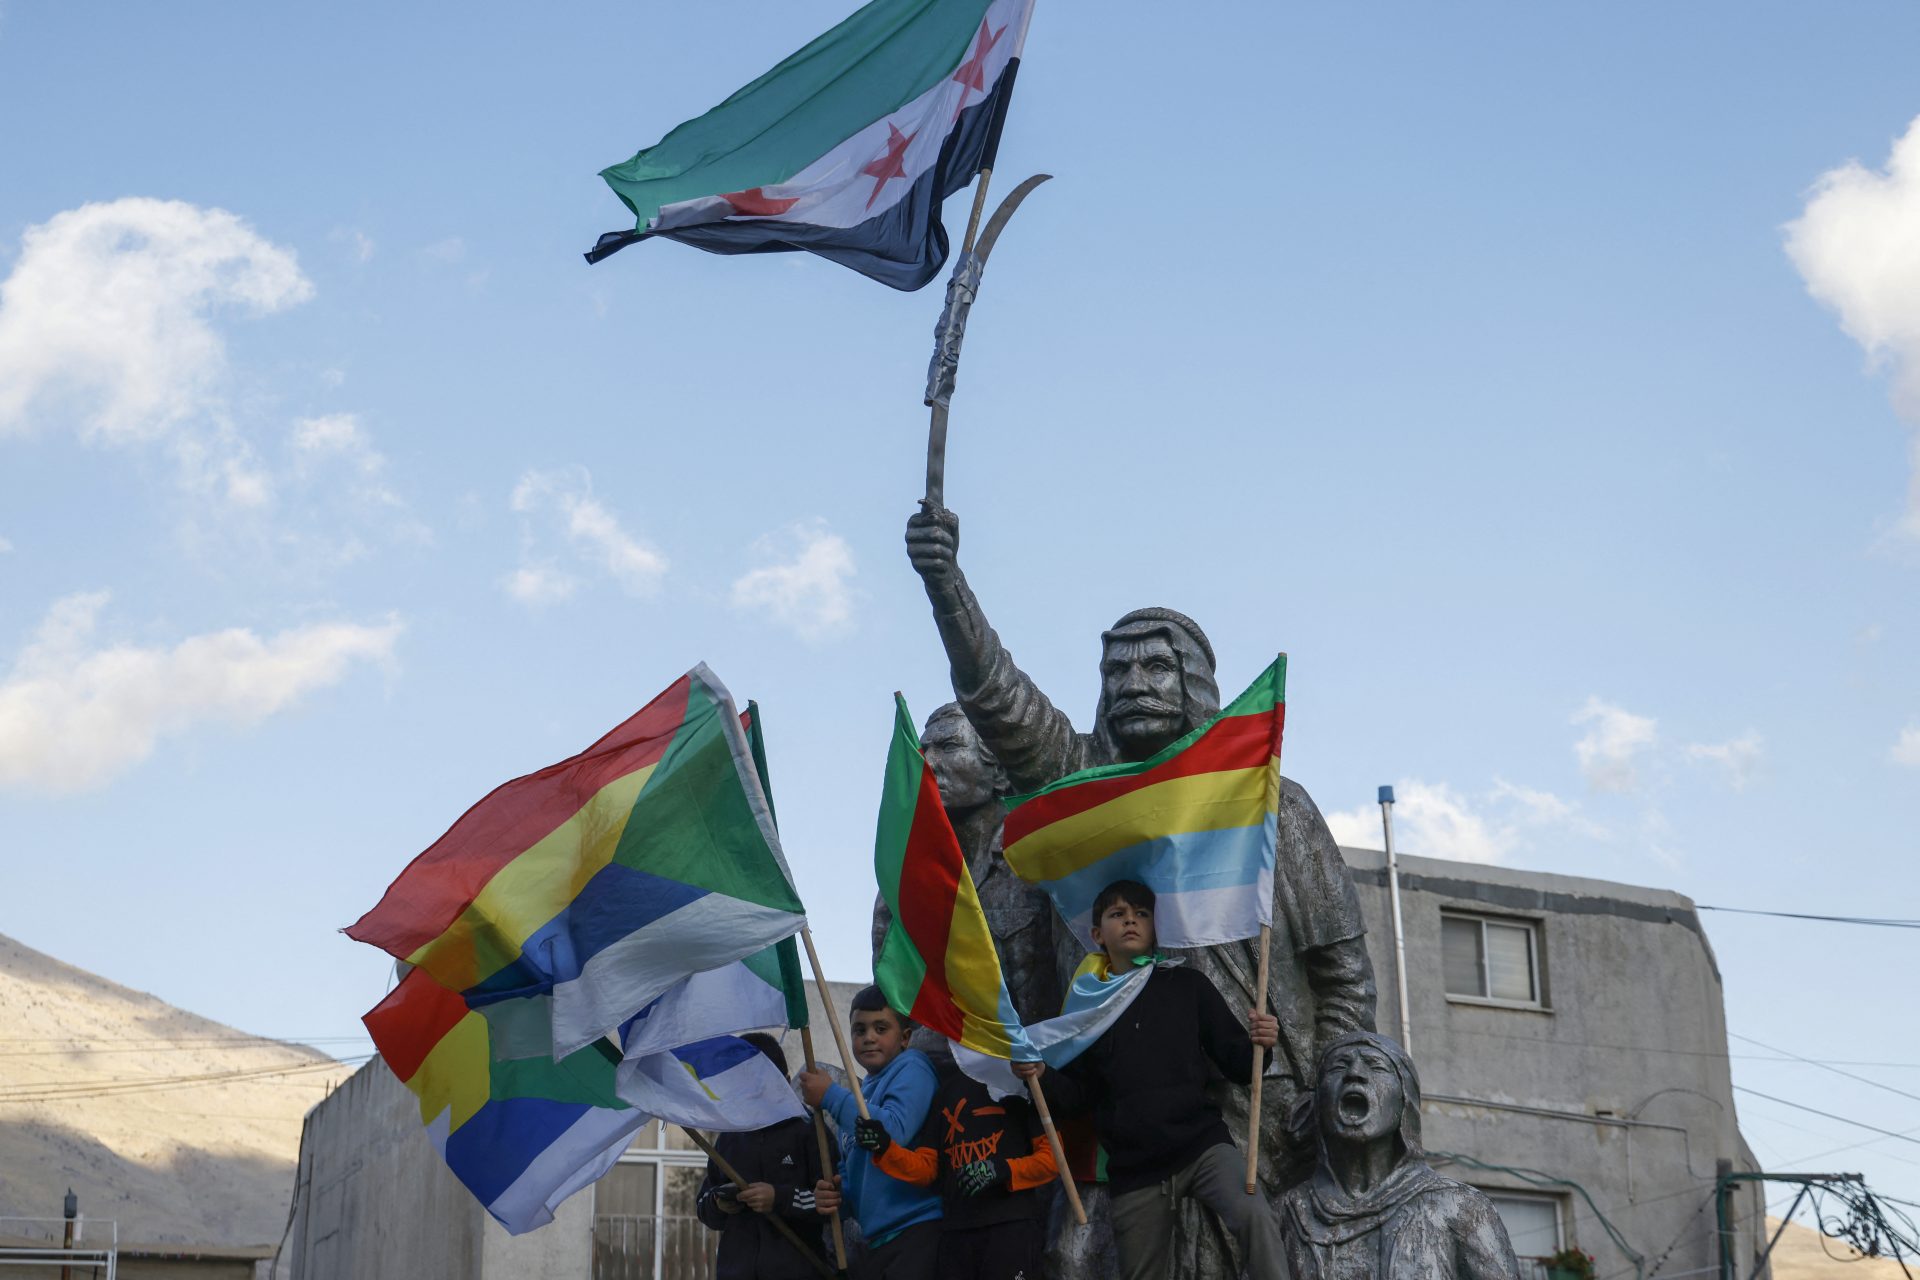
{"x": 1018, "y": 914}
{"x": 1374, "y": 1209}
{"x": 1157, "y": 683}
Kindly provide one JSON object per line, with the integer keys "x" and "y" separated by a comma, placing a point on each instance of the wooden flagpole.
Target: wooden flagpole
{"x": 828, "y": 1160}
{"x": 1259, "y": 1069}
{"x": 1059, "y": 1152}
{"x": 732, "y": 1175}
{"x": 833, "y": 1021}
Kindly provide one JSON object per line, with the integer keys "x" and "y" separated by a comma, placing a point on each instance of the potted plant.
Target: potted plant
{"x": 1570, "y": 1264}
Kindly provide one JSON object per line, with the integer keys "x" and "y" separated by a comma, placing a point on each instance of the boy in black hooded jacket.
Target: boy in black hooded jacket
{"x": 781, "y": 1163}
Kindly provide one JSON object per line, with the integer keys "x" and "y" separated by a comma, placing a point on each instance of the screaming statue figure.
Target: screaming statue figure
{"x": 1157, "y": 683}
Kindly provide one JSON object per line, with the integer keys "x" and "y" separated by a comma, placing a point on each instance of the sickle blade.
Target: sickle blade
{"x": 998, "y": 222}
{"x": 951, "y": 329}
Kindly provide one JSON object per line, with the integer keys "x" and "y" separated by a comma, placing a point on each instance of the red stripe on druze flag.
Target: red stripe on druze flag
{"x": 1236, "y": 742}
{"x": 415, "y": 1016}
{"x": 437, "y": 886}
{"x": 930, "y": 871}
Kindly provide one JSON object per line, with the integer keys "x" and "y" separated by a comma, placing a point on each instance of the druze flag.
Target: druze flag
{"x": 1196, "y": 823}
{"x": 521, "y": 1130}
{"x": 606, "y": 879}
{"x": 846, "y": 149}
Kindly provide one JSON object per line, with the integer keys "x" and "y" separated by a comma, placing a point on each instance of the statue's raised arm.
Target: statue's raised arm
{"x": 1033, "y": 740}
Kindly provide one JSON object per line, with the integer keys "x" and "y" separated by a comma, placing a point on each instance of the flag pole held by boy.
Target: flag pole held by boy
{"x": 794, "y": 985}
{"x": 937, "y": 963}
{"x": 1198, "y": 822}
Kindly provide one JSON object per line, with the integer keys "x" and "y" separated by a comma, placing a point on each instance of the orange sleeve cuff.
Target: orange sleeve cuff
{"x": 1036, "y": 1170}
{"x": 913, "y": 1165}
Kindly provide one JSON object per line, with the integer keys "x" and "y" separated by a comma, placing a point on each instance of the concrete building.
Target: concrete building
{"x": 1569, "y": 1035}
{"x": 1572, "y": 1048}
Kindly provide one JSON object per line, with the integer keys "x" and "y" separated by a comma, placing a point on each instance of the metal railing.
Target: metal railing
{"x": 40, "y": 1243}
{"x": 624, "y": 1248}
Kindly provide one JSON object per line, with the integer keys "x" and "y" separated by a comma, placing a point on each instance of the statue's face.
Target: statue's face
{"x": 1360, "y": 1098}
{"x": 961, "y": 767}
{"x": 1145, "y": 696}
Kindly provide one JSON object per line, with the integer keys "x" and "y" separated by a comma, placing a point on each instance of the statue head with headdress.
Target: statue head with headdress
{"x": 1156, "y": 683}
{"x": 1367, "y": 1092}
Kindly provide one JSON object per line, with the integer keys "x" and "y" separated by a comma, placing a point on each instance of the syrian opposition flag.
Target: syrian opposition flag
{"x": 846, "y": 149}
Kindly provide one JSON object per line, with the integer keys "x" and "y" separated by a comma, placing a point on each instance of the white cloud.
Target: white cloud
{"x": 805, "y": 584}
{"x": 1907, "y": 749}
{"x": 1433, "y": 820}
{"x": 74, "y": 714}
{"x": 595, "y": 535}
{"x": 451, "y": 249}
{"x": 1740, "y": 757}
{"x": 1857, "y": 246}
{"x": 539, "y": 584}
{"x": 5, "y": 546}
{"x": 106, "y": 319}
{"x": 1614, "y": 742}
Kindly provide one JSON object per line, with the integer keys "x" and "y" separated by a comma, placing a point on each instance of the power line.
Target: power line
{"x": 73, "y": 1090}
{"x": 1877, "y": 922}
{"x": 1824, "y": 1066}
{"x": 1800, "y": 1106}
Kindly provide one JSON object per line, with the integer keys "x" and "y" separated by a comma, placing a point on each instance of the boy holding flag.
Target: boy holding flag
{"x": 901, "y": 1222}
{"x": 1145, "y": 1080}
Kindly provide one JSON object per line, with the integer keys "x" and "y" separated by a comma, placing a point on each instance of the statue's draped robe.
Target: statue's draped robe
{"x": 1320, "y": 980}
{"x": 1416, "y": 1225}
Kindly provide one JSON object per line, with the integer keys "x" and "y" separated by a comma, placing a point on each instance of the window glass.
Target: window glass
{"x": 1532, "y": 1222}
{"x": 626, "y": 1190}
{"x": 1510, "y": 961}
{"x": 683, "y": 1188}
{"x": 1460, "y": 956}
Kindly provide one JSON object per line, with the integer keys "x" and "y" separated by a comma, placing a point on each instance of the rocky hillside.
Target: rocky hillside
{"x": 181, "y": 1129}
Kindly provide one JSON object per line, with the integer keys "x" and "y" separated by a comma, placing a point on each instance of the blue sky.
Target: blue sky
{"x": 1545, "y": 381}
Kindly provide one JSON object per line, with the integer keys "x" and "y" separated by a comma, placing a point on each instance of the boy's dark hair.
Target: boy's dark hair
{"x": 769, "y": 1046}
{"x": 873, "y": 1000}
{"x": 1131, "y": 892}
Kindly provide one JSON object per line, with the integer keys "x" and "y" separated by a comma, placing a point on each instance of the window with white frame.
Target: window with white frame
{"x": 1488, "y": 958}
{"x": 1533, "y": 1223}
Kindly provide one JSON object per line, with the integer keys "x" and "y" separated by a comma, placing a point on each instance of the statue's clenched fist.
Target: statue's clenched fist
{"x": 933, "y": 544}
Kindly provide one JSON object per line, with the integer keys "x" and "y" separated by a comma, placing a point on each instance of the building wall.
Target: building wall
{"x": 374, "y": 1201}
{"x": 1614, "y": 1096}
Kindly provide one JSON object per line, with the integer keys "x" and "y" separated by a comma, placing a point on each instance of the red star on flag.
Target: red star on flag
{"x": 891, "y": 165}
{"x": 755, "y": 202}
{"x": 972, "y": 74}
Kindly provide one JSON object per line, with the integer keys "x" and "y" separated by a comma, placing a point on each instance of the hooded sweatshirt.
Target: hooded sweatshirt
{"x": 899, "y": 1096}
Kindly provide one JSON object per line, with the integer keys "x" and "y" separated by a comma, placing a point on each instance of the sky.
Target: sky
{"x": 1544, "y": 380}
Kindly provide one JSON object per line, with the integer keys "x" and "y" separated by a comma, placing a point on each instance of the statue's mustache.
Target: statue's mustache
{"x": 1143, "y": 707}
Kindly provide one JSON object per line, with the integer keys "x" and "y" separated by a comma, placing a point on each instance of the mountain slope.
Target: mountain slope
{"x": 181, "y": 1129}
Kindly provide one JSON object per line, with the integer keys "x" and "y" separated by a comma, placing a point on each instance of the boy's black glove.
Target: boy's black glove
{"x": 871, "y": 1135}
{"x": 983, "y": 1176}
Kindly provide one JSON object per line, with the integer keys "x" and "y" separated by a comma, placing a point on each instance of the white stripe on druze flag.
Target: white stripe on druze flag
{"x": 873, "y": 170}
{"x": 719, "y": 1002}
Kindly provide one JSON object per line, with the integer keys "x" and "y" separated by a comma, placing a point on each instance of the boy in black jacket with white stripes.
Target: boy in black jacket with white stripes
{"x": 782, "y": 1162}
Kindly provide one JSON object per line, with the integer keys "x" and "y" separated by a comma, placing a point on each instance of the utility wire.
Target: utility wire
{"x": 1801, "y": 915}
{"x": 1824, "y": 1066}
{"x": 1800, "y": 1106}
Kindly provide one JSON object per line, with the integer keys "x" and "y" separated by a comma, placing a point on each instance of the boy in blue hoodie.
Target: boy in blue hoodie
{"x": 901, "y": 1222}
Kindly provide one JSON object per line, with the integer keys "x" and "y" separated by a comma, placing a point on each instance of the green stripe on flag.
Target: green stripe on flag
{"x": 1268, "y": 690}
{"x": 899, "y": 970}
{"x": 694, "y": 822}
{"x": 881, "y": 58}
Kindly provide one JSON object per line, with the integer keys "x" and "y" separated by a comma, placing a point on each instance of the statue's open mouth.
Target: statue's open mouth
{"x": 1355, "y": 1106}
